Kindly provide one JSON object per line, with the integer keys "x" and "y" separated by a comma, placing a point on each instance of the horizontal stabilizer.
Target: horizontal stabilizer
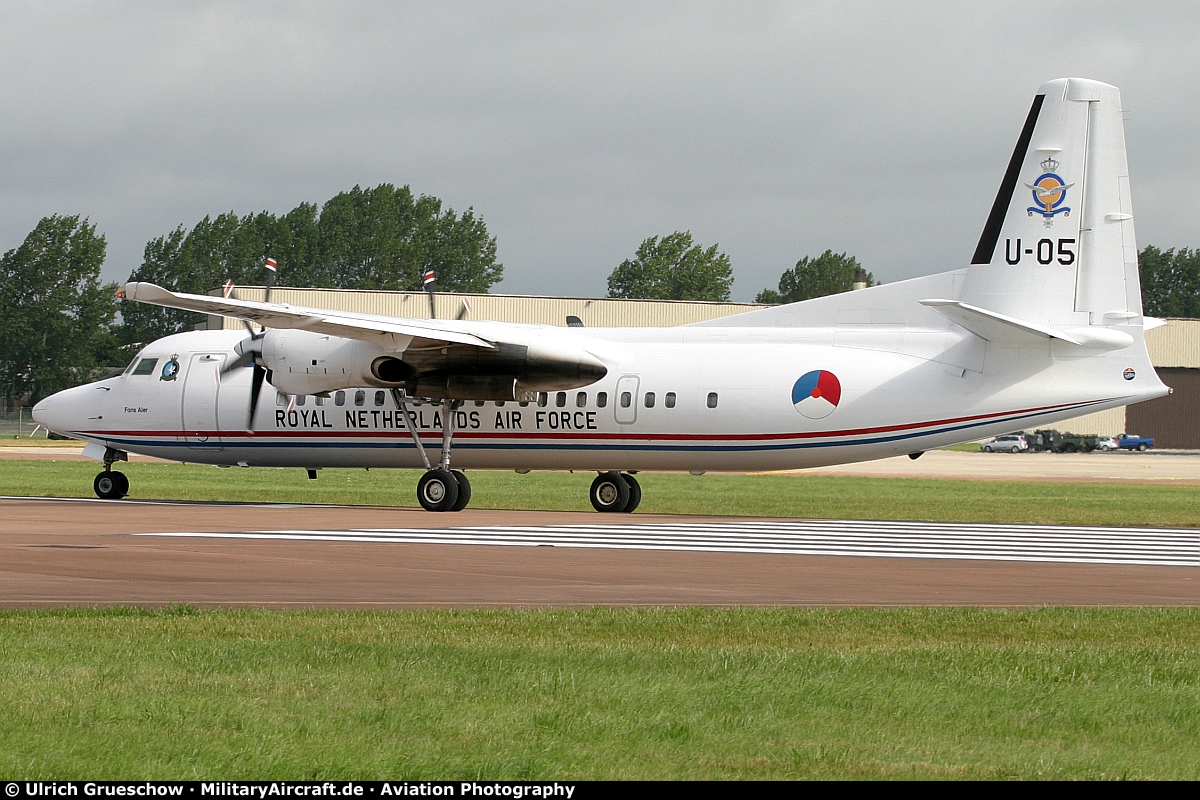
{"x": 994, "y": 327}
{"x": 1003, "y": 329}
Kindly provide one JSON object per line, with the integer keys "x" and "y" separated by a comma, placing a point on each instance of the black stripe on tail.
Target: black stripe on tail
{"x": 995, "y": 221}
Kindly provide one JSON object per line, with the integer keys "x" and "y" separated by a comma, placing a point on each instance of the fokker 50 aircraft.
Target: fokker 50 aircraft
{"x": 1045, "y": 324}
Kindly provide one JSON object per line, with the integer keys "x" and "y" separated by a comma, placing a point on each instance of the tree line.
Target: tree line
{"x": 60, "y": 323}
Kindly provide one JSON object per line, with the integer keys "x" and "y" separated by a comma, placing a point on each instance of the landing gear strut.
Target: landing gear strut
{"x": 440, "y": 488}
{"x": 615, "y": 492}
{"x": 110, "y": 484}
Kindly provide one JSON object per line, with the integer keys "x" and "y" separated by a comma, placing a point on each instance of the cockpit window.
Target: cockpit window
{"x": 146, "y": 366}
{"x": 129, "y": 369}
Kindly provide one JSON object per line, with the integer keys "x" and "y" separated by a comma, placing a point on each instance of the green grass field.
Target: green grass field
{"x": 610, "y": 693}
{"x": 650, "y": 694}
{"x": 801, "y": 495}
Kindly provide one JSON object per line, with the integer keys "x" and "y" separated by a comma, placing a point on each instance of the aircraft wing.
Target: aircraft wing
{"x": 420, "y": 333}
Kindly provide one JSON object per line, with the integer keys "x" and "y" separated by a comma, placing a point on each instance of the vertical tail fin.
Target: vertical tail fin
{"x": 1058, "y": 247}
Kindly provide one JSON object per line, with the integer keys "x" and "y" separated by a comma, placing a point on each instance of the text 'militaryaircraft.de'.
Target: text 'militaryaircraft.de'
{"x": 1045, "y": 324}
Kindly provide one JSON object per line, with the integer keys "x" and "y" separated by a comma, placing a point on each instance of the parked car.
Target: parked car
{"x": 1131, "y": 441}
{"x": 1010, "y": 443}
{"x": 1106, "y": 443}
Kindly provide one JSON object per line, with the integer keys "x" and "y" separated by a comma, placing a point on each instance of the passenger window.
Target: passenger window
{"x": 479, "y": 403}
{"x": 339, "y": 399}
{"x": 669, "y": 400}
{"x": 523, "y": 404}
{"x": 146, "y": 366}
{"x": 499, "y": 404}
{"x": 560, "y": 400}
{"x": 379, "y": 398}
{"x": 281, "y": 399}
{"x": 301, "y": 399}
{"x": 320, "y": 400}
{"x": 360, "y": 398}
{"x": 543, "y": 399}
{"x": 581, "y": 400}
{"x": 601, "y": 399}
{"x": 626, "y": 399}
{"x": 649, "y": 399}
{"x": 712, "y": 399}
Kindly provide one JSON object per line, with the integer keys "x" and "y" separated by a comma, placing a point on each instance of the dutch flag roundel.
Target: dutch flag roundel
{"x": 816, "y": 394}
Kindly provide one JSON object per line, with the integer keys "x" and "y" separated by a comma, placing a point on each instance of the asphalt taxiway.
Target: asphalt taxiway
{"x": 90, "y": 552}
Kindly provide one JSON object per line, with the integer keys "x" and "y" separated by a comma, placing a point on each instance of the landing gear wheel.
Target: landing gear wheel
{"x": 437, "y": 490}
{"x": 111, "y": 485}
{"x": 609, "y": 492}
{"x": 464, "y": 490}
{"x": 635, "y": 493}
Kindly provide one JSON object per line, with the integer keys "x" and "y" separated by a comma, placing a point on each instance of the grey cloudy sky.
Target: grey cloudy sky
{"x": 576, "y": 130}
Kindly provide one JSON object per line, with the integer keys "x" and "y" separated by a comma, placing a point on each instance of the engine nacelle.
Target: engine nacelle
{"x": 302, "y": 362}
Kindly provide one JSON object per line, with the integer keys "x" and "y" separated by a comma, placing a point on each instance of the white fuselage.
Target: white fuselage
{"x": 722, "y": 399}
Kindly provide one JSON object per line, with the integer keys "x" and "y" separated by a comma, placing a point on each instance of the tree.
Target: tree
{"x": 1170, "y": 282}
{"x": 828, "y": 273}
{"x": 384, "y": 238}
{"x": 380, "y": 238}
{"x": 673, "y": 268}
{"x": 55, "y": 329}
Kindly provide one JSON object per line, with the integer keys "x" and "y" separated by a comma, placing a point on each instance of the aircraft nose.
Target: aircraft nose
{"x": 54, "y": 412}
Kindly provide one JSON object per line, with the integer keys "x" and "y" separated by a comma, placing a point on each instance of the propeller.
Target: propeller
{"x": 249, "y": 350}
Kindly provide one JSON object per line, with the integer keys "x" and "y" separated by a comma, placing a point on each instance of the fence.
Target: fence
{"x": 17, "y": 423}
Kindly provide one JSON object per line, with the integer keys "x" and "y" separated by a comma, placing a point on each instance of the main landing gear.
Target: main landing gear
{"x": 440, "y": 488}
{"x": 445, "y": 489}
{"x": 615, "y": 492}
{"x": 110, "y": 484}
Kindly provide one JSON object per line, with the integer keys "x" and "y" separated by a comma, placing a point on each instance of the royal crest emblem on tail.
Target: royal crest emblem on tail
{"x": 1049, "y": 192}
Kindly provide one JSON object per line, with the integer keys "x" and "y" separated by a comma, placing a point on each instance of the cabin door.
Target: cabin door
{"x": 201, "y": 383}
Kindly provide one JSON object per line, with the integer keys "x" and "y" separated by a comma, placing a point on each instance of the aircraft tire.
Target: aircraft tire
{"x": 437, "y": 490}
{"x": 635, "y": 493}
{"x": 609, "y": 492}
{"x": 464, "y": 490}
{"x": 111, "y": 485}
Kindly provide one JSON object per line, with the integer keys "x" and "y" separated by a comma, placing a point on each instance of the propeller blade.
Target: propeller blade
{"x": 244, "y": 360}
{"x": 256, "y": 382}
{"x": 269, "y": 268}
{"x": 228, "y": 291}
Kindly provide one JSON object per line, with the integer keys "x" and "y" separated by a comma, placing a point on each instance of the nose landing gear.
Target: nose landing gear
{"x": 110, "y": 484}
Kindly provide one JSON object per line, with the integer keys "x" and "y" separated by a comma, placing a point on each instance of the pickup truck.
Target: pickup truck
{"x": 1128, "y": 441}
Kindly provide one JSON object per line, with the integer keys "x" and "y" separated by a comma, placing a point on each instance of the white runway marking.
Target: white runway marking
{"x": 1146, "y": 546}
